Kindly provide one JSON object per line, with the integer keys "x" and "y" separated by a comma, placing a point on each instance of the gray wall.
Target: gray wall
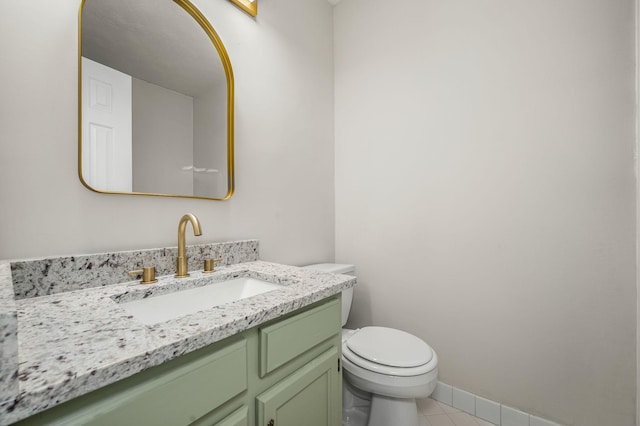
{"x": 284, "y": 143}
{"x": 485, "y": 192}
{"x": 210, "y": 142}
{"x": 162, "y": 139}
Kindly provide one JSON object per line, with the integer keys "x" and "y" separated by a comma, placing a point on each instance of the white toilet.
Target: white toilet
{"x": 385, "y": 369}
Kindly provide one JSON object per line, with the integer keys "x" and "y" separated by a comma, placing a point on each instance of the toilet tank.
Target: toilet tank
{"x": 339, "y": 268}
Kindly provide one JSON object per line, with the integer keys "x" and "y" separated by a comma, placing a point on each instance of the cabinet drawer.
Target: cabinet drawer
{"x": 198, "y": 388}
{"x": 171, "y": 395}
{"x": 285, "y": 340}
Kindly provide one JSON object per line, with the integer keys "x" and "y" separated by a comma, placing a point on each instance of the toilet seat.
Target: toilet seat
{"x": 388, "y": 351}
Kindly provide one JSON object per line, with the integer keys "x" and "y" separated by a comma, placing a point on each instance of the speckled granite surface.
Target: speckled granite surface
{"x": 8, "y": 336}
{"x": 74, "y": 342}
{"x": 41, "y": 277}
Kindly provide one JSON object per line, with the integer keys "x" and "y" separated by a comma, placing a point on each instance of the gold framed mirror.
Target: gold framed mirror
{"x": 156, "y": 101}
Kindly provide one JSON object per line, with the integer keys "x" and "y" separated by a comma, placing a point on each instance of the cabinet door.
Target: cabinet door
{"x": 311, "y": 396}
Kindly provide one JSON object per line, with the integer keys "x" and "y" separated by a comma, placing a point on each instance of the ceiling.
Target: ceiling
{"x": 155, "y": 41}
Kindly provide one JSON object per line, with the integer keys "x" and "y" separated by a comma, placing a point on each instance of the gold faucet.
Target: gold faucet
{"x": 181, "y": 269}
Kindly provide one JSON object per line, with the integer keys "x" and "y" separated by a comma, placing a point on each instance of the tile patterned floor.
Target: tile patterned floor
{"x": 434, "y": 413}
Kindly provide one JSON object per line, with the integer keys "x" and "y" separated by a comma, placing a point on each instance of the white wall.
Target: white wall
{"x": 284, "y": 139}
{"x": 485, "y": 192}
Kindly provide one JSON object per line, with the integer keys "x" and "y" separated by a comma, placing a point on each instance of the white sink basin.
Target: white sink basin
{"x": 154, "y": 310}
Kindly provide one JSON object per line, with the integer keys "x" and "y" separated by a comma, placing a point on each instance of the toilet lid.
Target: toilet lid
{"x": 388, "y": 346}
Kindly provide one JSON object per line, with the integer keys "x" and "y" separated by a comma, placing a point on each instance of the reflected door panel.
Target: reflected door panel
{"x": 106, "y": 123}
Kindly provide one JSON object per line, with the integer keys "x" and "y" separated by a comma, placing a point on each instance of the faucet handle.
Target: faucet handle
{"x": 148, "y": 274}
{"x": 210, "y": 265}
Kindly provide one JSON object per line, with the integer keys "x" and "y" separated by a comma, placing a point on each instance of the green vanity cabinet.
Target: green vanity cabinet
{"x": 286, "y": 370}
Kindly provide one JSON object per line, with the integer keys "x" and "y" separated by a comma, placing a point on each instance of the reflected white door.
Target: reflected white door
{"x": 106, "y": 128}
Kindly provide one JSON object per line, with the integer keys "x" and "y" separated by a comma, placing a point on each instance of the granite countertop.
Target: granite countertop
{"x": 74, "y": 342}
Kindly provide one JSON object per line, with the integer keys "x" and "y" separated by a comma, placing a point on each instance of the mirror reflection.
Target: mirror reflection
{"x": 156, "y": 104}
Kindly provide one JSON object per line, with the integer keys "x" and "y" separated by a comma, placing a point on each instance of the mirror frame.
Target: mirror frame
{"x": 226, "y": 64}
{"x": 249, "y": 6}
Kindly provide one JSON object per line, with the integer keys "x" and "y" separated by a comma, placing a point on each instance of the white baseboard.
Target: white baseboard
{"x": 486, "y": 409}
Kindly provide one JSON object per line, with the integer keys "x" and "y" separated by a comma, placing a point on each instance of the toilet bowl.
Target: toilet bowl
{"x": 385, "y": 368}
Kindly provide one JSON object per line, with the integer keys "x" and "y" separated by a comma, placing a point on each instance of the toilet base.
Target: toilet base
{"x": 387, "y": 411}
{"x": 356, "y": 405}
